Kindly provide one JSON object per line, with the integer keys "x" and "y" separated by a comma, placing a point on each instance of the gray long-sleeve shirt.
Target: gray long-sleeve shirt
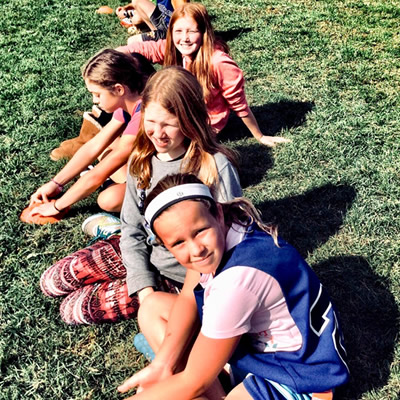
{"x": 141, "y": 260}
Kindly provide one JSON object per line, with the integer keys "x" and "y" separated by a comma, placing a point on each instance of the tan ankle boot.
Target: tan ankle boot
{"x": 90, "y": 127}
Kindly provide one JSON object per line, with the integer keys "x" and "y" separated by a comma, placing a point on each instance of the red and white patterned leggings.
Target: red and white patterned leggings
{"x": 93, "y": 280}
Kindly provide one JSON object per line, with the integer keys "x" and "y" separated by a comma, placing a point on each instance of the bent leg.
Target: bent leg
{"x": 145, "y": 8}
{"x": 265, "y": 389}
{"x": 111, "y": 199}
{"x": 238, "y": 393}
{"x": 96, "y": 263}
{"x": 214, "y": 392}
{"x": 153, "y": 317}
{"x": 99, "y": 303}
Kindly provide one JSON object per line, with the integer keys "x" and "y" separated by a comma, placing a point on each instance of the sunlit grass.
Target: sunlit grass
{"x": 325, "y": 74}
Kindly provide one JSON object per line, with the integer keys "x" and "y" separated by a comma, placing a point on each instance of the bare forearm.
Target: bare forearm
{"x": 175, "y": 387}
{"x": 252, "y": 125}
{"x": 76, "y": 165}
{"x": 89, "y": 182}
{"x": 89, "y": 152}
{"x": 81, "y": 189}
{"x": 182, "y": 325}
{"x": 200, "y": 376}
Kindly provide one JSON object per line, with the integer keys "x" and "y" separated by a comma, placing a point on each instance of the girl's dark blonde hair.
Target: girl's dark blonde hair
{"x": 238, "y": 211}
{"x": 201, "y": 66}
{"x": 109, "y": 67}
{"x": 179, "y": 92}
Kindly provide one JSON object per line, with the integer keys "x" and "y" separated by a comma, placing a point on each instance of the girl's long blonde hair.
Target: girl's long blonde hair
{"x": 201, "y": 66}
{"x": 179, "y": 92}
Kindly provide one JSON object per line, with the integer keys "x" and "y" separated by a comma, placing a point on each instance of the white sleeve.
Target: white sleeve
{"x": 230, "y": 301}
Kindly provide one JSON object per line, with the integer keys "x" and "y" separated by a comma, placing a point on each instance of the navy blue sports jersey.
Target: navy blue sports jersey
{"x": 319, "y": 364}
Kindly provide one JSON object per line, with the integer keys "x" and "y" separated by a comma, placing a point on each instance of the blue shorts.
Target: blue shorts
{"x": 264, "y": 389}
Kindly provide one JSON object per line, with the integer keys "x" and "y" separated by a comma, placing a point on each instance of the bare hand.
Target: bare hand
{"x": 145, "y": 378}
{"x": 42, "y": 195}
{"x": 272, "y": 141}
{"x": 45, "y": 210}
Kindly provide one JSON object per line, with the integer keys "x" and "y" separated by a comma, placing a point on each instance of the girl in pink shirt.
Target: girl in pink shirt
{"x": 116, "y": 82}
{"x": 191, "y": 43}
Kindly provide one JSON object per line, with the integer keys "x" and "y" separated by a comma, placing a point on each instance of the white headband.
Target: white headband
{"x": 175, "y": 195}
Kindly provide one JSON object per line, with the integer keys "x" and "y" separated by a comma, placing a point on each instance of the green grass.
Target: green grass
{"x": 325, "y": 74}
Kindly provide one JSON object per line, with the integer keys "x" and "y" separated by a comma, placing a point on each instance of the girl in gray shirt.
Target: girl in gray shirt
{"x": 175, "y": 136}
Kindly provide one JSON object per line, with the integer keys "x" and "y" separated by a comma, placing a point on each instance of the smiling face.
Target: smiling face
{"x": 186, "y": 36}
{"x": 162, "y": 128}
{"x": 194, "y": 237}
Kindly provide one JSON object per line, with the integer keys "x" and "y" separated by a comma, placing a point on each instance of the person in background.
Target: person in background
{"x": 191, "y": 43}
{"x": 144, "y": 12}
{"x": 116, "y": 82}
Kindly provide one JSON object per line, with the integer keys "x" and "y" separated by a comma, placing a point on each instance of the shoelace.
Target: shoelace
{"x": 102, "y": 235}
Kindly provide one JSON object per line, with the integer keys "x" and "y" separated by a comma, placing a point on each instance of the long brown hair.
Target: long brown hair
{"x": 201, "y": 66}
{"x": 109, "y": 67}
{"x": 179, "y": 92}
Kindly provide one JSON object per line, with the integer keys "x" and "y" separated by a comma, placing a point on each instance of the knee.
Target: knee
{"x": 147, "y": 313}
{"x": 155, "y": 309}
{"x": 52, "y": 283}
{"x": 141, "y": 5}
{"x": 109, "y": 201}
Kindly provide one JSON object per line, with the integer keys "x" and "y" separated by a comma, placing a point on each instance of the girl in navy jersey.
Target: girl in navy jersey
{"x": 261, "y": 307}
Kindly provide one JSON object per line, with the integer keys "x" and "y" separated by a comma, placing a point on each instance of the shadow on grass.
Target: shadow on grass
{"x": 306, "y": 221}
{"x": 231, "y": 34}
{"x": 285, "y": 114}
{"x": 78, "y": 210}
{"x": 254, "y": 161}
{"x": 369, "y": 317}
{"x": 272, "y": 119}
{"x": 368, "y": 311}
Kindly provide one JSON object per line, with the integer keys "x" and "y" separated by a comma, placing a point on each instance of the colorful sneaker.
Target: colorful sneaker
{"x": 102, "y": 225}
{"x": 142, "y": 346}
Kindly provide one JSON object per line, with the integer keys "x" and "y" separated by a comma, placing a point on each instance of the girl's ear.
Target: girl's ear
{"x": 119, "y": 89}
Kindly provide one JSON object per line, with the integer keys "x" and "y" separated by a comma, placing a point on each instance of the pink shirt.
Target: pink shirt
{"x": 246, "y": 300}
{"x": 228, "y": 93}
{"x": 132, "y": 124}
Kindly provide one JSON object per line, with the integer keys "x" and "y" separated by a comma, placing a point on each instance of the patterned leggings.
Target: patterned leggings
{"x": 94, "y": 281}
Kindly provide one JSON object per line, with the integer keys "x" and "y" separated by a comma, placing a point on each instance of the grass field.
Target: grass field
{"x": 325, "y": 74}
